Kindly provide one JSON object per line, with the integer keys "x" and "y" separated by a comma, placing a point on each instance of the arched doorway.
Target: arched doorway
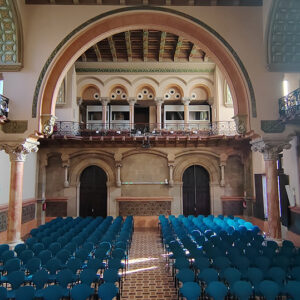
{"x": 196, "y": 196}
{"x": 93, "y": 192}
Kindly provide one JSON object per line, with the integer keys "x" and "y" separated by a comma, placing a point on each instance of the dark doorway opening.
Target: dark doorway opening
{"x": 141, "y": 118}
{"x": 93, "y": 192}
{"x": 196, "y": 194}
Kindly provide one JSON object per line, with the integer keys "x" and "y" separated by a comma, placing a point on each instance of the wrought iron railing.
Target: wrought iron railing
{"x": 289, "y": 106}
{"x": 69, "y": 128}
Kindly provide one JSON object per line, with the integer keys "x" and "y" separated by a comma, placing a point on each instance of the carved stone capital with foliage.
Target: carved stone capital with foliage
{"x": 48, "y": 122}
{"x": 18, "y": 152}
{"x": 269, "y": 148}
{"x": 240, "y": 123}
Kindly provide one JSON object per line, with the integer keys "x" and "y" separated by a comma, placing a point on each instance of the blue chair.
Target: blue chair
{"x": 263, "y": 263}
{"x": 95, "y": 264}
{"x": 40, "y": 279}
{"x": 242, "y": 290}
{"x": 26, "y": 255}
{"x": 231, "y": 275}
{"x": 208, "y": 275}
{"x": 53, "y": 265}
{"x": 64, "y": 278}
{"x": 278, "y": 275}
{"x": 217, "y": 290}
{"x": 44, "y": 256}
{"x": 37, "y": 248}
{"x": 184, "y": 275}
{"x": 255, "y": 276}
{"x": 15, "y": 279}
{"x": 52, "y": 292}
{"x": 88, "y": 276}
{"x": 295, "y": 273}
{"x": 81, "y": 292}
{"x": 269, "y": 289}
{"x": 112, "y": 275}
{"x": 201, "y": 263}
{"x": 108, "y": 291}
{"x": 32, "y": 266}
{"x": 63, "y": 255}
{"x": 3, "y": 293}
{"x": 25, "y": 293}
{"x": 19, "y": 248}
{"x": 292, "y": 288}
{"x": 190, "y": 290}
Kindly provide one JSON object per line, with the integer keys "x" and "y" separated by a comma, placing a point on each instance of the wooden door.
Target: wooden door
{"x": 196, "y": 193}
{"x": 93, "y": 192}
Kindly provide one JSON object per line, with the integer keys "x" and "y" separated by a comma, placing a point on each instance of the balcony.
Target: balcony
{"x": 289, "y": 107}
{"x": 75, "y": 129}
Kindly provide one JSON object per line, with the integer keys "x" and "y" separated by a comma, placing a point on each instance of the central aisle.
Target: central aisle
{"x": 148, "y": 277}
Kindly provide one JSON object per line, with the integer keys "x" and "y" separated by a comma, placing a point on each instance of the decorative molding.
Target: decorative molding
{"x": 272, "y": 126}
{"x": 48, "y": 122}
{"x": 134, "y": 8}
{"x": 11, "y": 38}
{"x": 143, "y": 70}
{"x": 269, "y": 148}
{"x": 18, "y": 152}
{"x": 15, "y": 126}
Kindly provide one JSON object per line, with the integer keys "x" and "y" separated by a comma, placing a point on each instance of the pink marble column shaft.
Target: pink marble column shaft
{"x": 273, "y": 199}
{"x": 15, "y": 202}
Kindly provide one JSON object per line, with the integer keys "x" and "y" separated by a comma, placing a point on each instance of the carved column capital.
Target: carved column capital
{"x": 104, "y": 100}
{"x": 186, "y": 100}
{"x": 223, "y": 159}
{"x": 159, "y": 101}
{"x": 269, "y": 148}
{"x": 131, "y": 101}
{"x": 48, "y": 122}
{"x": 240, "y": 123}
{"x": 65, "y": 160}
{"x": 18, "y": 152}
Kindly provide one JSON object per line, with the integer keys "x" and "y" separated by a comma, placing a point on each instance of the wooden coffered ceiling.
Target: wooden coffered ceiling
{"x": 151, "y": 2}
{"x": 144, "y": 46}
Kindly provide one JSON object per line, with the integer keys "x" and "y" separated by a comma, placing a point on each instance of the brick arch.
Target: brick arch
{"x": 162, "y": 19}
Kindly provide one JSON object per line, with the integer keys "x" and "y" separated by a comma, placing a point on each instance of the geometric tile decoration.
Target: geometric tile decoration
{"x": 28, "y": 213}
{"x": 10, "y": 44}
{"x": 148, "y": 276}
{"x": 145, "y": 208}
{"x": 3, "y": 221}
{"x": 284, "y": 36}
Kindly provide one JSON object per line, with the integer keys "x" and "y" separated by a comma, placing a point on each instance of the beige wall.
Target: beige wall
{"x": 29, "y": 181}
{"x": 4, "y": 177}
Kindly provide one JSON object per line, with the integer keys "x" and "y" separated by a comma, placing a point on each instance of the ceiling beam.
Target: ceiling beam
{"x": 97, "y": 51}
{"x": 112, "y": 48}
{"x": 178, "y": 48}
{"x": 145, "y": 44}
{"x": 193, "y": 52}
{"x": 162, "y": 45}
{"x": 83, "y": 57}
{"x": 128, "y": 45}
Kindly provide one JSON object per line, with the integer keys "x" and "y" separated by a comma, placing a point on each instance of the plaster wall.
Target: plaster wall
{"x": 29, "y": 177}
{"x": 293, "y": 81}
{"x": 4, "y": 177}
{"x": 290, "y": 159}
{"x": 45, "y": 26}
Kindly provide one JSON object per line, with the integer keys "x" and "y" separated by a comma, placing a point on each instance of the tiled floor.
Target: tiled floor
{"x": 148, "y": 277}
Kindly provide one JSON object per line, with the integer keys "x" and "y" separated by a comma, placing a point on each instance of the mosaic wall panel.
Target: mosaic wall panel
{"x": 28, "y": 213}
{"x": 284, "y": 35}
{"x": 3, "y": 221}
{"x": 145, "y": 208}
{"x": 56, "y": 209}
{"x": 9, "y": 52}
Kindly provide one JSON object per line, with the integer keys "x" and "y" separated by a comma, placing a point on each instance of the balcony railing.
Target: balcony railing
{"x": 289, "y": 106}
{"x": 68, "y": 128}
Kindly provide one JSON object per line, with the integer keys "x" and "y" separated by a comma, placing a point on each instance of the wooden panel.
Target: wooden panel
{"x": 259, "y": 202}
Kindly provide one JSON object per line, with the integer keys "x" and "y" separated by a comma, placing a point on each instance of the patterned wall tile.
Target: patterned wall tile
{"x": 145, "y": 208}
{"x": 3, "y": 221}
{"x": 28, "y": 213}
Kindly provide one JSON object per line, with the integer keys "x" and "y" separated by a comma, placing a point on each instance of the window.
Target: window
{"x": 61, "y": 94}
{"x": 228, "y": 97}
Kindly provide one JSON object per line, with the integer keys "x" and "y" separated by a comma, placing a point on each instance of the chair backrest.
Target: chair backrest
{"x": 293, "y": 289}
{"x": 19, "y": 248}
{"x": 208, "y": 275}
{"x": 185, "y": 275}
{"x": 232, "y": 275}
{"x": 13, "y": 264}
{"x": 16, "y": 278}
{"x": 53, "y": 265}
{"x": 40, "y": 278}
{"x": 64, "y": 277}
{"x": 88, "y": 276}
{"x": 217, "y": 290}
{"x": 26, "y": 255}
{"x": 33, "y": 265}
{"x": 269, "y": 289}
{"x": 3, "y": 293}
{"x": 25, "y": 293}
{"x": 295, "y": 272}
{"x": 95, "y": 264}
{"x": 111, "y": 275}
{"x": 45, "y": 255}
{"x": 242, "y": 289}
{"x": 107, "y": 291}
{"x": 254, "y": 275}
{"x": 74, "y": 264}
{"x": 52, "y": 292}
{"x": 190, "y": 290}
{"x": 81, "y": 292}
{"x": 276, "y": 274}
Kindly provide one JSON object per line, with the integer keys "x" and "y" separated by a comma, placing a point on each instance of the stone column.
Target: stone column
{"x": 131, "y": 102}
{"x": 159, "y": 102}
{"x": 171, "y": 180}
{"x": 118, "y": 161}
{"x": 104, "y": 102}
{"x": 186, "y": 103}
{"x": 66, "y": 164}
{"x": 223, "y": 160}
{"x": 17, "y": 154}
{"x": 270, "y": 150}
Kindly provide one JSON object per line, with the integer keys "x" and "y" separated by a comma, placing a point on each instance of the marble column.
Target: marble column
{"x": 159, "y": 102}
{"x": 104, "y": 102}
{"x": 223, "y": 160}
{"x": 17, "y": 154}
{"x": 171, "y": 168}
{"x": 66, "y": 164}
{"x": 131, "y": 102}
{"x": 118, "y": 177}
{"x": 186, "y": 103}
{"x": 270, "y": 150}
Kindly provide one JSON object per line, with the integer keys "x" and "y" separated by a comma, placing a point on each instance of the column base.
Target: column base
{"x": 12, "y": 244}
